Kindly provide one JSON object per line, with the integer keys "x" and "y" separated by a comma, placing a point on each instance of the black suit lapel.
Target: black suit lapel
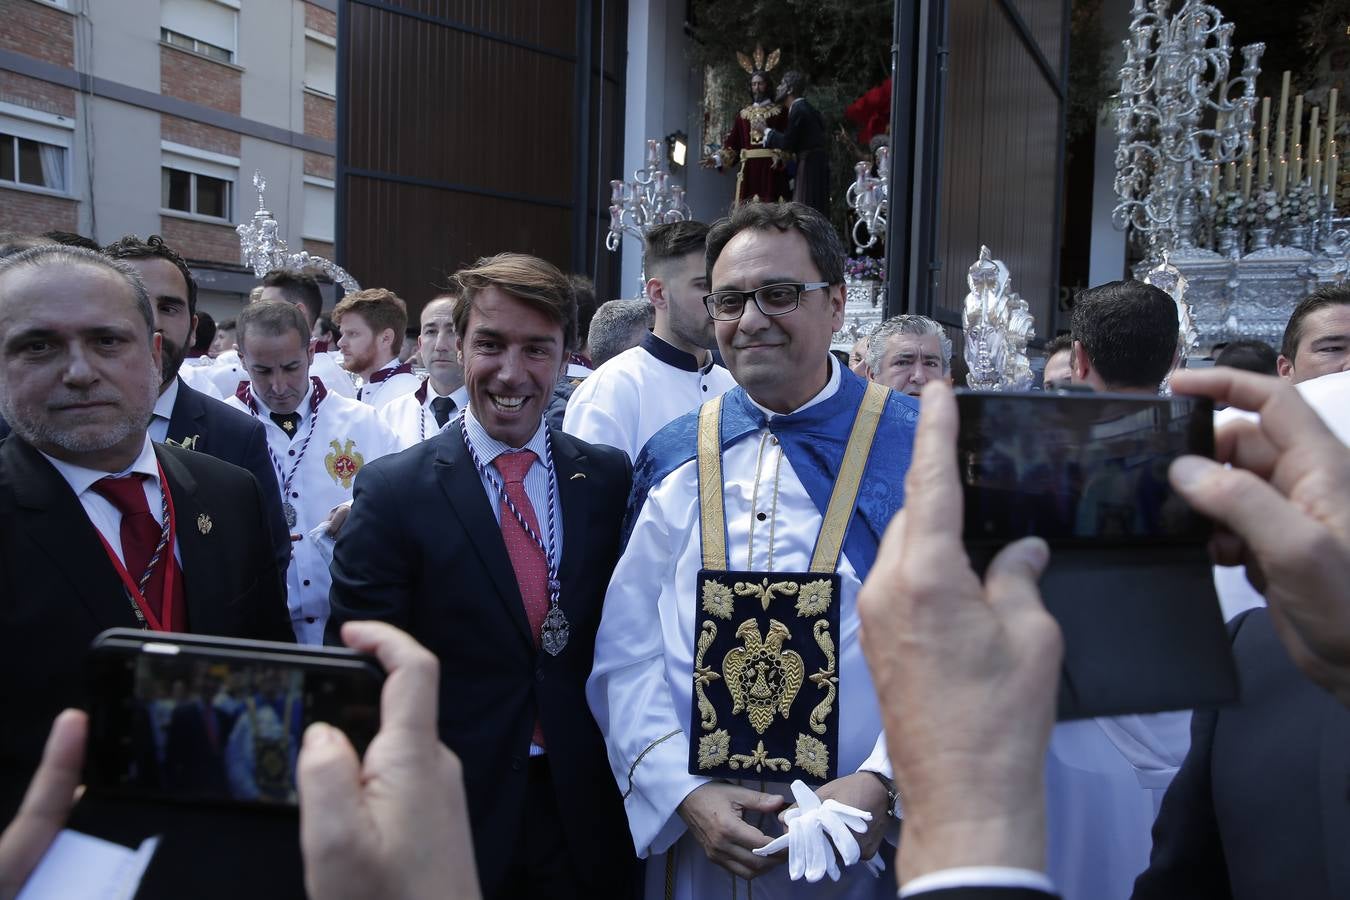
{"x": 187, "y": 425}
{"x": 468, "y": 501}
{"x": 574, "y": 495}
{"x": 1335, "y": 794}
{"x": 52, "y": 518}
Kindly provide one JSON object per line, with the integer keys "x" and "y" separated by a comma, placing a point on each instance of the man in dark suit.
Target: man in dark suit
{"x": 492, "y": 544}
{"x": 79, "y": 372}
{"x": 1260, "y": 807}
{"x": 806, "y": 138}
{"x": 186, "y": 417}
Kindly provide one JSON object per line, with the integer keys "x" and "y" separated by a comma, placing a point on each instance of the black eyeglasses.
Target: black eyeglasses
{"x": 771, "y": 300}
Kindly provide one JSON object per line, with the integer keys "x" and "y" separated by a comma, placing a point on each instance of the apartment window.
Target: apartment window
{"x": 320, "y": 63}
{"x": 198, "y": 183}
{"x": 34, "y": 149}
{"x": 208, "y": 27}
{"x": 319, "y": 209}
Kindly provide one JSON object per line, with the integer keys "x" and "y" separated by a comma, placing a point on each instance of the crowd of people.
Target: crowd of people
{"x": 634, "y": 572}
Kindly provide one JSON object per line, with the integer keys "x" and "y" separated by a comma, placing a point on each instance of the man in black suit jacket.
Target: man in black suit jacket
{"x": 79, "y": 370}
{"x": 1261, "y": 806}
{"x": 425, "y": 549}
{"x": 184, "y": 416}
{"x": 806, "y": 137}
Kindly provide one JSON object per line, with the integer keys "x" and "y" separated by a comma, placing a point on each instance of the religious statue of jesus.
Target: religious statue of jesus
{"x": 762, "y": 174}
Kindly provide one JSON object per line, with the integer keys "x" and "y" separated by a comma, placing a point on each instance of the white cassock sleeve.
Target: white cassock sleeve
{"x": 628, "y": 693}
{"x": 596, "y": 408}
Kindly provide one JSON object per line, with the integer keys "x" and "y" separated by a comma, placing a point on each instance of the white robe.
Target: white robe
{"x": 640, "y": 686}
{"x": 636, "y": 394}
{"x": 228, "y": 371}
{"x": 381, "y": 393}
{"x": 315, "y": 491}
{"x": 413, "y": 421}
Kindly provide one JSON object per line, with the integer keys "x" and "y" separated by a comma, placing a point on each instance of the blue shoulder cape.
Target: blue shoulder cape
{"x": 814, "y": 441}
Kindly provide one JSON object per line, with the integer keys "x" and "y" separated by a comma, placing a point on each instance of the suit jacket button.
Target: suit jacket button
{"x": 539, "y": 674}
{"x": 516, "y": 763}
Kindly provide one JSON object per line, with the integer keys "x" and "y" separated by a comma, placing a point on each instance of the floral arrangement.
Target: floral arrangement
{"x": 1263, "y": 211}
{"x": 1230, "y": 209}
{"x": 1300, "y": 205}
{"x": 864, "y": 268}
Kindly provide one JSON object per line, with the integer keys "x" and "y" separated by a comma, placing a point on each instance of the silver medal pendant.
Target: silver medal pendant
{"x": 553, "y": 635}
{"x": 289, "y": 512}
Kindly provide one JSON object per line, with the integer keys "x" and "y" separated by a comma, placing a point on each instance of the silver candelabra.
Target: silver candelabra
{"x": 265, "y": 250}
{"x": 869, "y": 197}
{"x": 651, "y": 198}
{"x": 1180, "y": 117}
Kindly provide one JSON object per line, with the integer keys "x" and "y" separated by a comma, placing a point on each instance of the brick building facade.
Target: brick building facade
{"x": 145, "y": 116}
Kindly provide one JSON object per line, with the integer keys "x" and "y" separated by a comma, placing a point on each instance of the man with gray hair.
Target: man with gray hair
{"x": 618, "y": 325}
{"x": 906, "y": 352}
{"x": 102, "y": 527}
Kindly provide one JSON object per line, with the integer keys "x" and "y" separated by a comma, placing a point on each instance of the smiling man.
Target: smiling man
{"x": 1317, "y": 338}
{"x": 752, "y": 523}
{"x": 492, "y": 543}
{"x": 906, "y": 352}
{"x": 86, "y": 498}
{"x": 316, "y": 441}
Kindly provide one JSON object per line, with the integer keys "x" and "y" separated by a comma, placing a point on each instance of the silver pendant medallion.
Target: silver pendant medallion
{"x": 554, "y": 633}
{"x": 289, "y": 512}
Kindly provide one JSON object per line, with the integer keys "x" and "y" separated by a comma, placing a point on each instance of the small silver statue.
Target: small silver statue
{"x": 998, "y": 325}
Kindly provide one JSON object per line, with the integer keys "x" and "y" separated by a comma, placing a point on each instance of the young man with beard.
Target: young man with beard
{"x": 183, "y": 416}
{"x": 372, "y": 323}
{"x": 423, "y": 413}
{"x": 317, "y": 442}
{"x": 87, "y": 498}
{"x": 672, "y": 371}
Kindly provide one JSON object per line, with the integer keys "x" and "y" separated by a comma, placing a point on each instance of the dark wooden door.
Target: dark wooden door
{"x": 986, "y": 91}
{"x": 472, "y": 127}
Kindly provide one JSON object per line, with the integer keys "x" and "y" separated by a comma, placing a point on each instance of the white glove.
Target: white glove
{"x": 815, "y": 830}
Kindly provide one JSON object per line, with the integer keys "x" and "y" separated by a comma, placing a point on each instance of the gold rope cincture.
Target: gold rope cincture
{"x": 830, "y": 542}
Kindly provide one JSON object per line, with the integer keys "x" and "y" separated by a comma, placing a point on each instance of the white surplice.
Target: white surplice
{"x": 641, "y": 684}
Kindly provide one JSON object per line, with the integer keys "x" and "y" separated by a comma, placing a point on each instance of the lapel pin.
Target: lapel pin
{"x": 577, "y": 475}
{"x": 204, "y": 523}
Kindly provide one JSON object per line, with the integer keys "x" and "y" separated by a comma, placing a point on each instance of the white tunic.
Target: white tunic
{"x": 347, "y": 435}
{"x": 640, "y": 686}
{"x": 635, "y": 394}
{"x": 411, "y": 418}
{"x": 381, "y": 393}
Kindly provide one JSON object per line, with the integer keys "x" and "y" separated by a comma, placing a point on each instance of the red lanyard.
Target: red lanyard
{"x": 140, "y": 606}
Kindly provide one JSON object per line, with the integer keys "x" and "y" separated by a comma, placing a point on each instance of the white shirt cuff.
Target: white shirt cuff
{"x": 978, "y": 876}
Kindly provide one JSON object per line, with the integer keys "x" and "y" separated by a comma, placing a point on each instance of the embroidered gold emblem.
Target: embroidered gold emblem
{"x": 763, "y": 592}
{"x": 703, "y": 676}
{"x": 814, "y": 598}
{"x": 827, "y": 679}
{"x": 343, "y": 463}
{"x": 287, "y": 425}
{"x": 713, "y": 749}
{"x": 717, "y": 599}
{"x": 187, "y": 443}
{"x": 763, "y": 677}
{"x": 759, "y": 760}
{"x": 204, "y": 524}
{"x": 813, "y": 756}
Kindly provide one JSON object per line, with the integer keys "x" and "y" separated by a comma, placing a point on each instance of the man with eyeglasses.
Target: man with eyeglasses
{"x": 727, "y": 662}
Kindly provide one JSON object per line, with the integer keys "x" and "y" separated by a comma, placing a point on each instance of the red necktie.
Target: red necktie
{"x": 140, "y": 535}
{"x": 527, "y": 558}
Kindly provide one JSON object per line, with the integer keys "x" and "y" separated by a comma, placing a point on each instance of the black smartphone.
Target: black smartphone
{"x": 1079, "y": 469}
{"x": 1129, "y": 578}
{"x": 201, "y": 719}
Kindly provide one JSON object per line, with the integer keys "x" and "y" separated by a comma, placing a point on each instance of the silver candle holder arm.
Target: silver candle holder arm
{"x": 264, "y": 249}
